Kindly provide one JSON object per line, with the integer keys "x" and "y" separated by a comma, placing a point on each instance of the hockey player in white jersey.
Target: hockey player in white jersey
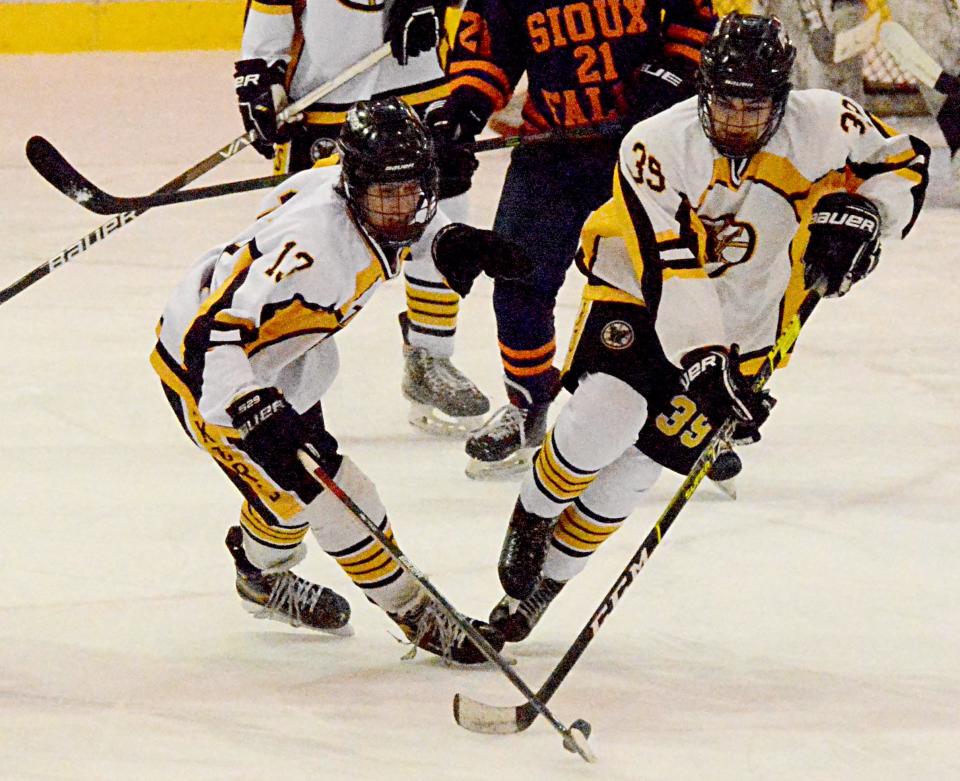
{"x": 288, "y": 49}
{"x": 246, "y": 352}
{"x": 727, "y": 209}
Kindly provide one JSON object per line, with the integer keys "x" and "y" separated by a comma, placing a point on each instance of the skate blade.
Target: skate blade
{"x": 436, "y": 423}
{"x": 258, "y": 612}
{"x": 509, "y": 468}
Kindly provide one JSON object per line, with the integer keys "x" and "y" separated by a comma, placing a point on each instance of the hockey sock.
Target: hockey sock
{"x": 594, "y": 428}
{"x": 268, "y": 545}
{"x": 367, "y": 563}
{"x": 590, "y": 521}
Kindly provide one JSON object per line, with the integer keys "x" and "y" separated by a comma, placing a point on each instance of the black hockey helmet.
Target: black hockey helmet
{"x": 749, "y": 58}
{"x": 387, "y": 154}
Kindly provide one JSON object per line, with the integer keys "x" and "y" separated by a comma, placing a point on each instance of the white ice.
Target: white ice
{"x": 810, "y": 630}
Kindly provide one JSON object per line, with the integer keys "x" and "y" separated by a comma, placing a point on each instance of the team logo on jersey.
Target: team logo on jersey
{"x": 731, "y": 243}
{"x": 322, "y": 147}
{"x": 364, "y": 5}
{"x": 617, "y": 335}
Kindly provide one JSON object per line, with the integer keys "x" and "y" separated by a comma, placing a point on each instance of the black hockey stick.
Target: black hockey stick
{"x": 575, "y": 736}
{"x": 914, "y": 59}
{"x": 124, "y": 216}
{"x": 54, "y": 167}
{"x": 478, "y": 716}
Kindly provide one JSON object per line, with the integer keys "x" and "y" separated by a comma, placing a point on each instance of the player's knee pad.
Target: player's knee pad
{"x": 618, "y": 488}
{"x": 599, "y": 422}
{"x": 331, "y": 521}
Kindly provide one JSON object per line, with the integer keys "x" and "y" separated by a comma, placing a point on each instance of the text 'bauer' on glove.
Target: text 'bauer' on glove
{"x": 272, "y": 432}
{"x": 712, "y": 379}
{"x": 844, "y": 242}
{"x": 261, "y": 97}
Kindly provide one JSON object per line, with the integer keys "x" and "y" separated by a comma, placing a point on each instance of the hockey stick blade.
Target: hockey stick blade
{"x": 913, "y": 58}
{"x": 477, "y": 716}
{"x": 53, "y": 167}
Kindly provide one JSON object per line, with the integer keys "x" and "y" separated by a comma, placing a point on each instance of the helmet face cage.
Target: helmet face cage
{"x": 389, "y": 173}
{"x": 743, "y": 83}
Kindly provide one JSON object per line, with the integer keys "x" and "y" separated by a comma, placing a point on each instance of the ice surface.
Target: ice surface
{"x": 808, "y": 631}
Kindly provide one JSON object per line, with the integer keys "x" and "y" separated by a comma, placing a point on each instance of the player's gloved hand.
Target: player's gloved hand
{"x": 412, "y": 27}
{"x": 844, "y": 242}
{"x": 261, "y": 96}
{"x": 272, "y": 433}
{"x": 451, "y": 130}
{"x": 712, "y": 378}
{"x": 654, "y": 86}
{"x": 461, "y": 253}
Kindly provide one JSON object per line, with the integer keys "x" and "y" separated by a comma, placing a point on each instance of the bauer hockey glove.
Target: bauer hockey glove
{"x": 461, "y": 253}
{"x": 412, "y": 27}
{"x": 261, "y": 96}
{"x": 655, "y": 86}
{"x": 272, "y": 433}
{"x": 712, "y": 378}
{"x": 844, "y": 242}
{"x": 451, "y": 130}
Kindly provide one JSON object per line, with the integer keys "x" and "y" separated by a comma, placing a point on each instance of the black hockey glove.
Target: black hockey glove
{"x": 461, "y": 252}
{"x": 844, "y": 242}
{"x": 451, "y": 130}
{"x": 412, "y": 27}
{"x": 654, "y": 86}
{"x": 712, "y": 378}
{"x": 261, "y": 95}
{"x": 272, "y": 432}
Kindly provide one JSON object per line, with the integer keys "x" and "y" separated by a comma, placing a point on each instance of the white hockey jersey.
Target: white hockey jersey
{"x": 715, "y": 246}
{"x": 321, "y": 38}
{"x": 261, "y": 310}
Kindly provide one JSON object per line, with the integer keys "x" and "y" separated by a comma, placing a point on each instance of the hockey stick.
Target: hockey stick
{"x": 830, "y": 47}
{"x": 575, "y": 736}
{"x": 478, "y": 716}
{"x": 913, "y": 58}
{"x": 53, "y": 167}
{"x": 125, "y": 216}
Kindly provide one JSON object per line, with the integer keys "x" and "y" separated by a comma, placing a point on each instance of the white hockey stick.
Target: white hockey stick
{"x": 913, "y": 58}
{"x": 857, "y": 39}
{"x": 194, "y": 172}
{"x": 831, "y": 47}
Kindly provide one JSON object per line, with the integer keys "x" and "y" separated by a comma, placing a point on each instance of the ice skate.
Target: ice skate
{"x": 523, "y": 552}
{"x": 503, "y": 447}
{"x": 515, "y": 618}
{"x": 427, "y": 627}
{"x": 286, "y": 597}
{"x": 443, "y": 400}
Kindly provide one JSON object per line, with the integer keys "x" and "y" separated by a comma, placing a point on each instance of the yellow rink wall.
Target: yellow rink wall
{"x": 158, "y": 25}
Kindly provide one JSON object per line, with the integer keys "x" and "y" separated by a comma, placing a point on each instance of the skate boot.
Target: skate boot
{"x": 524, "y": 551}
{"x": 443, "y": 401}
{"x": 725, "y": 467}
{"x": 427, "y": 627}
{"x": 515, "y": 618}
{"x": 504, "y": 446}
{"x": 285, "y": 597}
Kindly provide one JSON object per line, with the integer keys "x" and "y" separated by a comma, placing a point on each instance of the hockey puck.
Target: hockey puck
{"x": 575, "y": 741}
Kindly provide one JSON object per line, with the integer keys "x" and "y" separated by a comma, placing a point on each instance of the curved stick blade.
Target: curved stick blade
{"x": 53, "y": 167}
{"x": 487, "y": 719}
